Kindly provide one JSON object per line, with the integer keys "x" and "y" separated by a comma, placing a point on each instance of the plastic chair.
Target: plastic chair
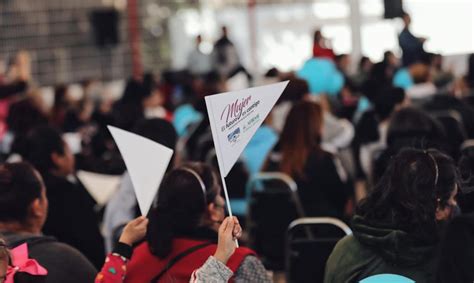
{"x": 306, "y": 256}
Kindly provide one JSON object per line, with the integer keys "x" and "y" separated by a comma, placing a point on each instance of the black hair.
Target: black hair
{"x": 466, "y": 172}
{"x": 386, "y": 55}
{"x": 415, "y": 125}
{"x": 363, "y": 60}
{"x": 134, "y": 91}
{"x": 470, "y": 71}
{"x": 23, "y": 116}
{"x": 129, "y": 109}
{"x": 158, "y": 130}
{"x": 386, "y": 100}
{"x": 415, "y": 183}
{"x": 60, "y": 92}
{"x": 295, "y": 91}
{"x": 19, "y": 187}
{"x": 41, "y": 143}
{"x": 180, "y": 206}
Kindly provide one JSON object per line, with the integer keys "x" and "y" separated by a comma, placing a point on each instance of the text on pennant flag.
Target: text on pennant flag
{"x": 235, "y": 117}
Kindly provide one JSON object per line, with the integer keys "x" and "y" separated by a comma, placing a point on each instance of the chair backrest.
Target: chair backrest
{"x": 306, "y": 256}
{"x": 273, "y": 205}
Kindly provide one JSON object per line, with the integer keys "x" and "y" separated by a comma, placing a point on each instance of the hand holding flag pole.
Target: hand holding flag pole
{"x": 234, "y": 118}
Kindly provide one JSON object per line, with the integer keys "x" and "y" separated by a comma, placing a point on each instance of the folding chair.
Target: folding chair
{"x": 273, "y": 205}
{"x": 306, "y": 256}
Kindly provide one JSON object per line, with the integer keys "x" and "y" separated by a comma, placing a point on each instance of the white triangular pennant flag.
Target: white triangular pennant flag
{"x": 235, "y": 117}
{"x": 146, "y": 163}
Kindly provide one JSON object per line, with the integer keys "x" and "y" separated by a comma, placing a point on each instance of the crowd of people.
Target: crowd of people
{"x": 386, "y": 149}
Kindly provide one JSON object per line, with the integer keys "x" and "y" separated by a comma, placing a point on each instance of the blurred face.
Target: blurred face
{"x": 154, "y": 100}
{"x": 407, "y": 20}
{"x": 216, "y": 212}
{"x": 65, "y": 163}
{"x": 446, "y": 213}
{"x": 392, "y": 60}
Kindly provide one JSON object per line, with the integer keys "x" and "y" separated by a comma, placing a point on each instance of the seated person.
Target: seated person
{"x": 23, "y": 211}
{"x": 409, "y": 127}
{"x": 71, "y": 216}
{"x": 123, "y": 206}
{"x": 182, "y": 232}
{"x": 214, "y": 270}
{"x": 322, "y": 183}
{"x": 397, "y": 227}
{"x": 457, "y": 249}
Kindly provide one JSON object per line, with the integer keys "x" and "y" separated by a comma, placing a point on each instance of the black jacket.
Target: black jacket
{"x": 63, "y": 262}
{"x": 71, "y": 217}
{"x": 457, "y": 251}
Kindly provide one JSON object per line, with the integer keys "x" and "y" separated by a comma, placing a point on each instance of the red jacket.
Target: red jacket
{"x": 144, "y": 266}
{"x": 322, "y": 52}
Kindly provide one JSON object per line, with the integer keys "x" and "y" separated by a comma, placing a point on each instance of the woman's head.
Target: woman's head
{"x": 188, "y": 198}
{"x": 23, "y": 200}
{"x": 48, "y": 152}
{"x": 300, "y": 136}
{"x": 415, "y": 125}
{"x": 417, "y": 190}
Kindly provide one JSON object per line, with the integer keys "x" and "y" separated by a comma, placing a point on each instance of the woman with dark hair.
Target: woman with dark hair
{"x": 397, "y": 227}
{"x": 71, "y": 215}
{"x": 130, "y": 103}
{"x": 299, "y": 155}
{"x": 182, "y": 232}
{"x": 409, "y": 127}
{"x": 24, "y": 209}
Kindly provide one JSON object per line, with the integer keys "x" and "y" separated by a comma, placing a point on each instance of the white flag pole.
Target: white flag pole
{"x": 221, "y": 165}
{"x": 240, "y": 114}
{"x": 224, "y": 187}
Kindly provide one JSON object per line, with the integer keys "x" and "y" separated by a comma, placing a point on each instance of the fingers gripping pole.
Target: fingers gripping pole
{"x": 227, "y": 201}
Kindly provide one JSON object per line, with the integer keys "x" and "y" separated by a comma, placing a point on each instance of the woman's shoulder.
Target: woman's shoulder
{"x": 347, "y": 260}
{"x": 348, "y": 251}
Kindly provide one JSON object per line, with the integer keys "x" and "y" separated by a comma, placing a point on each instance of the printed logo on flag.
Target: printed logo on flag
{"x": 234, "y": 136}
{"x": 235, "y": 117}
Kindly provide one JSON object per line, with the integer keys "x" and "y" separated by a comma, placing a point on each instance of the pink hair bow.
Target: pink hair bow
{"x": 21, "y": 263}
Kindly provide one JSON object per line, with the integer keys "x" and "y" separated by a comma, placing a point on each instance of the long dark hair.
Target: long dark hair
{"x": 301, "y": 136}
{"x": 415, "y": 183}
{"x": 180, "y": 205}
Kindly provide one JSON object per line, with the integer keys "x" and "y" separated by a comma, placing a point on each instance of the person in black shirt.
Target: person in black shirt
{"x": 71, "y": 217}
{"x": 321, "y": 187}
{"x": 412, "y": 46}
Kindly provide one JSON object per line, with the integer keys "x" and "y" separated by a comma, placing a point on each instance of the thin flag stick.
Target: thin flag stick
{"x": 224, "y": 186}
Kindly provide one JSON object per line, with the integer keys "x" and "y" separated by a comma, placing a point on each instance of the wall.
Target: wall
{"x": 58, "y": 34}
